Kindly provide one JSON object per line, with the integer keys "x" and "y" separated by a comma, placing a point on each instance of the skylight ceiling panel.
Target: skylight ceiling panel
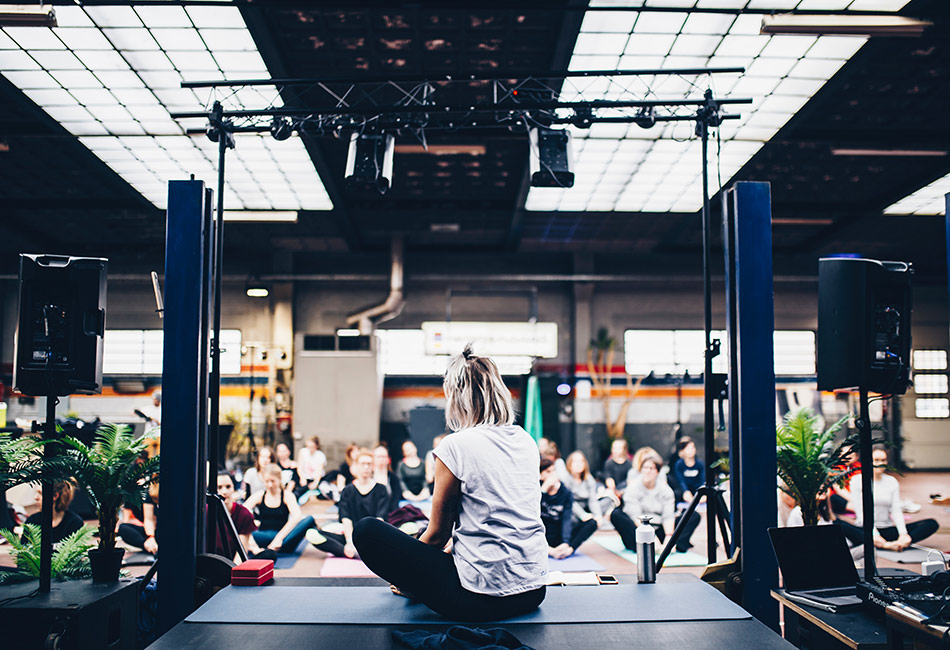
{"x": 82, "y": 38}
{"x": 824, "y": 5}
{"x": 660, "y": 22}
{"x": 194, "y": 60}
{"x": 176, "y": 39}
{"x": 928, "y": 200}
{"x": 131, "y": 39}
{"x": 17, "y": 60}
{"x": 608, "y": 21}
{"x": 31, "y": 38}
{"x": 31, "y": 79}
{"x": 816, "y": 68}
{"x": 699, "y": 45}
{"x": 162, "y": 16}
{"x": 212, "y": 17}
{"x": 600, "y": 43}
{"x": 102, "y": 61}
{"x": 228, "y": 40}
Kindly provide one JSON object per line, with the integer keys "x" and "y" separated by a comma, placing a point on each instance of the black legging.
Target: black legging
{"x": 429, "y": 574}
{"x": 580, "y": 533}
{"x": 133, "y": 535}
{"x": 918, "y": 531}
{"x": 333, "y": 543}
{"x": 628, "y": 530}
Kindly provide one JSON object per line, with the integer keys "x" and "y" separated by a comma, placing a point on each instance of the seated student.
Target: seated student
{"x": 412, "y": 474}
{"x": 288, "y": 467}
{"x": 890, "y": 532}
{"x": 337, "y": 479}
{"x": 385, "y": 476}
{"x": 557, "y": 502}
{"x": 254, "y": 477}
{"x": 590, "y": 500}
{"x": 430, "y": 462}
{"x": 487, "y": 490}
{"x": 242, "y": 518}
{"x": 282, "y": 524}
{"x": 647, "y": 495}
{"x": 689, "y": 472}
{"x": 617, "y": 466}
{"x": 841, "y": 494}
{"x": 143, "y": 536}
{"x": 549, "y": 449}
{"x": 311, "y": 466}
{"x": 362, "y": 498}
{"x": 65, "y": 521}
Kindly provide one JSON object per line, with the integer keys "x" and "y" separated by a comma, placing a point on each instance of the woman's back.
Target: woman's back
{"x": 499, "y": 544}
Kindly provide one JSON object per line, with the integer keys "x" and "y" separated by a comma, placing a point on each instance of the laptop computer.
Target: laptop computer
{"x": 816, "y": 565}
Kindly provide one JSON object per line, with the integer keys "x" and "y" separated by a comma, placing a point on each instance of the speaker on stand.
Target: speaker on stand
{"x": 864, "y": 343}
{"x": 58, "y": 348}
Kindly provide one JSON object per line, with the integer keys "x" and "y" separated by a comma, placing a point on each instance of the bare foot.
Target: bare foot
{"x": 399, "y": 592}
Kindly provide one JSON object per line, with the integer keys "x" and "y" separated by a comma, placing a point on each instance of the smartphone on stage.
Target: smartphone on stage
{"x": 605, "y": 579}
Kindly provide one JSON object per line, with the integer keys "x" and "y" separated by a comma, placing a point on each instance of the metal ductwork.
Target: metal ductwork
{"x": 367, "y": 319}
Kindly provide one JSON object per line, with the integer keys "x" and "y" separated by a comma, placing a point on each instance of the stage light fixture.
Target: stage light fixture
{"x": 646, "y": 118}
{"x": 32, "y": 15}
{"x": 281, "y": 128}
{"x": 369, "y": 162}
{"x": 551, "y": 160}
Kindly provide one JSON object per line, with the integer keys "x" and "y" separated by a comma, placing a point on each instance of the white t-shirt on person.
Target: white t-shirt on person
{"x": 498, "y": 544}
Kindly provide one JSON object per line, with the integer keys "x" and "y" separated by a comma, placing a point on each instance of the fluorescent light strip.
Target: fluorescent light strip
{"x": 929, "y": 200}
{"x": 271, "y": 216}
{"x": 897, "y": 153}
{"x": 111, "y": 75}
{"x": 621, "y": 167}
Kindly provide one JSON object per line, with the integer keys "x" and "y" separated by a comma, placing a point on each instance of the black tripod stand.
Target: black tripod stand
{"x": 708, "y": 115}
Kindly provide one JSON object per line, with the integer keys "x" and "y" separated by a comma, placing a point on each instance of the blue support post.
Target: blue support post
{"x": 182, "y": 479}
{"x": 946, "y": 216}
{"x": 752, "y": 391}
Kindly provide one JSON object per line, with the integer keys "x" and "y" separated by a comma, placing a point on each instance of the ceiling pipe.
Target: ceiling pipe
{"x": 367, "y": 319}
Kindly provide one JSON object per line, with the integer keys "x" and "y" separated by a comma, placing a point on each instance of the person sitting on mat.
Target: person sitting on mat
{"x": 412, "y": 474}
{"x": 143, "y": 536}
{"x": 590, "y": 500}
{"x": 617, "y": 466}
{"x": 647, "y": 495}
{"x": 289, "y": 474}
{"x": 549, "y": 449}
{"x": 254, "y": 477}
{"x": 384, "y": 475}
{"x": 311, "y": 466}
{"x": 65, "y": 521}
{"x": 362, "y": 498}
{"x": 282, "y": 525}
{"x": 689, "y": 472}
{"x": 242, "y": 518}
{"x": 486, "y": 485}
{"x": 430, "y": 462}
{"x": 557, "y": 502}
{"x": 890, "y": 532}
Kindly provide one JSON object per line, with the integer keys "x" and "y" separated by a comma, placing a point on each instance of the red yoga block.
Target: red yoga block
{"x": 252, "y": 572}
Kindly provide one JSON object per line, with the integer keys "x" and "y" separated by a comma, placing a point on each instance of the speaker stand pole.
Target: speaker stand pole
{"x": 867, "y": 485}
{"x": 46, "y": 540}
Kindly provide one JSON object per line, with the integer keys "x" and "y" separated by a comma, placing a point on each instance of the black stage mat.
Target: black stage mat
{"x": 628, "y": 603}
{"x": 746, "y": 634}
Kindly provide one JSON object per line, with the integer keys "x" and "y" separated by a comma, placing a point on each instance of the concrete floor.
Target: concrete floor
{"x": 917, "y": 486}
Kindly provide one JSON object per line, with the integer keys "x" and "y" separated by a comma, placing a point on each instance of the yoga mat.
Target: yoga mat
{"x": 344, "y": 567}
{"x": 615, "y": 546}
{"x": 288, "y": 560}
{"x": 576, "y": 562}
{"x": 138, "y": 558}
{"x": 663, "y": 601}
{"x": 911, "y": 555}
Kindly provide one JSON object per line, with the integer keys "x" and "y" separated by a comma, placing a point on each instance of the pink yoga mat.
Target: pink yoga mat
{"x": 341, "y": 567}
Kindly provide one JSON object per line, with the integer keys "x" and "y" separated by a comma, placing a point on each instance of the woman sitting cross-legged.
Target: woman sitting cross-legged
{"x": 362, "y": 498}
{"x": 486, "y": 485}
{"x": 557, "y": 503}
{"x": 283, "y": 525}
{"x": 646, "y": 495}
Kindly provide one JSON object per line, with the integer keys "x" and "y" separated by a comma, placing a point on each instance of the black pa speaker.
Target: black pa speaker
{"x": 61, "y": 322}
{"x": 864, "y": 311}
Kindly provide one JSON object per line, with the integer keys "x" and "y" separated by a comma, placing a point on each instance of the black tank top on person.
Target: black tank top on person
{"x": 273, "y": 518}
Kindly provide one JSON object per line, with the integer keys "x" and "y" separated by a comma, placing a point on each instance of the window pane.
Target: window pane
{"x": 930, "y": 384}
{"x": 932, "y": 407}
{"x": 794, "y": 352}
{"x": 930, "y": 359}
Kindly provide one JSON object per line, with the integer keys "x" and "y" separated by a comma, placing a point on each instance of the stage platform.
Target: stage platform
{"x": 717, "y": 623}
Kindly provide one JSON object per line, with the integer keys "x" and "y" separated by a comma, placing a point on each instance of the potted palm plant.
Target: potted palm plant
{"x": 115, "y": 474}
{"x": 809, "y": 463}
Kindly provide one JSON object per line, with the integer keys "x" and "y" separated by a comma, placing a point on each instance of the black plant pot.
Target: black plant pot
{"x": 105, "y": 564}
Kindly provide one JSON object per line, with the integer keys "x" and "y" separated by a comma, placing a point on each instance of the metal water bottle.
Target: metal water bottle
{"x": 646, "y": 553}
